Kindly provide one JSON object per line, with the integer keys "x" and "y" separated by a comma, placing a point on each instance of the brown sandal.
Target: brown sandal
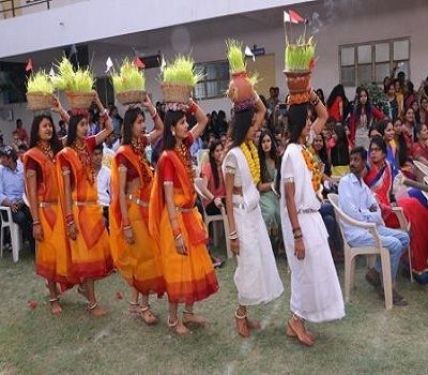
{"x": 178, "y": 327}
{"x": 302, "y": 336}
{"x": 148, "y": 317}
{"x": 189, "y": 318}
{"x": 96, "y": 310}
{"x": 242, "y": 325}
{"x": 55, "y": 306}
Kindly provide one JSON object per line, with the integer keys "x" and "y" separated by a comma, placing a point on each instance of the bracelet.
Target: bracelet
{"x": 315, "y": 101}
{"x": 126, "y": 227}
{"x": 176, "y": 232}
{"x": 193, "y": 108}
{"x": 235, "y": 237}
{"x": 103, "y": 113}
{"x": 36, "y": 223}
{"x": 299, "y": 237}
{"x": 178, "y": 236}
{"x": 70, "y": 224}
{"x": 296, "y": 230}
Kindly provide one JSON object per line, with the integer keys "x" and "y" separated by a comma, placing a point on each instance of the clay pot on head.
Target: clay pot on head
{"x": 298, "y": 86}
{"x": 240, "y": 88}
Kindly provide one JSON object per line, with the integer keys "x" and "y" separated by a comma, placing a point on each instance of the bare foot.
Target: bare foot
{"x": 296, "y": 329}
{"x": 242, "y": 325}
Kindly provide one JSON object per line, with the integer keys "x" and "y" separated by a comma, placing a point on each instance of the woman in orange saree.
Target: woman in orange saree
{"x": 135, "y": 253}
{"x": 53, "y": 253}
{"x": 88, "y": 238}
{"x": 176, "y": 223}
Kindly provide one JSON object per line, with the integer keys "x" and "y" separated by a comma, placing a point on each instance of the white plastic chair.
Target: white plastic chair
{"x": 422, "y": 169}
{"x": 15, "y": 233}
{"x": 208, "y": 219}
{"x": 352, "y": 252}
{"x": 426, "y": 183}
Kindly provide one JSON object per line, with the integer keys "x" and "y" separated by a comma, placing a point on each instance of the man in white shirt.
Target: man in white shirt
{"x": 358, "y": 201}
{"x": 103, "y": 181}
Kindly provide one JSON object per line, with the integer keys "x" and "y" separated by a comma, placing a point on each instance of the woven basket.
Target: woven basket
{"x": 38, "y": 101}
{"x": 131, "y": 97}
{"x": 80, "y": 100}
{"x": 298, "y": 86}
{"x": 176, "y": 93}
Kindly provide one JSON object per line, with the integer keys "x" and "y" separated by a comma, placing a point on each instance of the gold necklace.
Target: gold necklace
{"x": 184, "y": 154}
{"x": 139, "y": 149}
{"x": 47, "y": 151}
{"x": 86, "y": 159}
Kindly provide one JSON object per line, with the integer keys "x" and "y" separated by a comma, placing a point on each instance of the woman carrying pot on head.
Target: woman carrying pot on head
{"x": 135, "y": 252}
{"x": 256, "y": 276}
{"x": 88, "y": 238}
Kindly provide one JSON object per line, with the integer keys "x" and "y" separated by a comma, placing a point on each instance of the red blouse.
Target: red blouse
{"x": 420, "y": 150}
{"x": 91, "y": 143}
{"x": 131, "y": 172}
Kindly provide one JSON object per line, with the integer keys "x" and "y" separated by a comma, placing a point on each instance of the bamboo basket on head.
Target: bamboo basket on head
{"x": 129, "y": 84}
{"x": 176, "y": 93}
{"x": 131, "y": 97}
{"x": 80, "y": 100}
{"x": 38, "y": 101}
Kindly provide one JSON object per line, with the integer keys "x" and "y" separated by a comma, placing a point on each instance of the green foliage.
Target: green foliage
{"x": 236, "y": 56}
{"x": 129, "y": 78}
{"x": 300, "y": 56}
{"x": 40, "y": 82}
{"x": 67, "y": 79}
{"x": 181, "y": 72}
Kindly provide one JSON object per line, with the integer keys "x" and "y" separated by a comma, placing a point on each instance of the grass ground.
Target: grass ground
{"x": 369, "y": 340}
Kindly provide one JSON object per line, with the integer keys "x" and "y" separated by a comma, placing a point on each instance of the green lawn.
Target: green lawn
{"x": 368, "y": 341}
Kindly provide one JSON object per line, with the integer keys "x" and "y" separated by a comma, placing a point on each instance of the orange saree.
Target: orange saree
{"x": 138, "y": 263}
{"x": 188, "y": 278}
{"x": 90, "y": 252}
{"x": 53, "y": 259}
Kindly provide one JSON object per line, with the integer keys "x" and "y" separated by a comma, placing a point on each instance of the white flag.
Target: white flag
{"x": 249, "y": 53}
{"x": 109, "y": 64}
{"x": 52, "y": 72}
{"x": 163, "y": 64}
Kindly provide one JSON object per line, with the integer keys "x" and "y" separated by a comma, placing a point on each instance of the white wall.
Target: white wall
{"x": 98, "y": 19}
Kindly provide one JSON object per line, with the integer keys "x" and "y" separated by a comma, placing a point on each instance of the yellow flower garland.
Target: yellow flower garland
{"x": 314, "y": 167}
{"x": 252, "y": 156}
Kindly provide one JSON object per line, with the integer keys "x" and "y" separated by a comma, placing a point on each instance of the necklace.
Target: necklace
{"x": 86, "y": 159}
{"x": 251, "y": 155}
{"x": 47, "y": 151}
{"x": 184, "y": 154}
{"x": 139, "y": 149}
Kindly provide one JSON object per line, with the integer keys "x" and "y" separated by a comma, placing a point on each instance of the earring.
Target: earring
{"x": 173, "y": 133}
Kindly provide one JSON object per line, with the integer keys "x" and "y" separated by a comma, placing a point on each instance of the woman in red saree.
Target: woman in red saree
{"x": 53, "y": 252}
{"x": 176, "y": 223}
{"x": 379, "y": 180}
{"x": 88, "y": 238}
{"x": 135, "y": 253}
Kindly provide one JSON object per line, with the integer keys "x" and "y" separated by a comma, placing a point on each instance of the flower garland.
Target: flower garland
{"x": 252, "y": 156}
{"x": 314, "y": 167}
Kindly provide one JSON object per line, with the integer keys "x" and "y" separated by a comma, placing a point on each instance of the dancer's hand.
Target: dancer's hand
{"x": 180, "y": 246}
{"x": 72, "y": 231}
{"x": 299, "y": 249}
{"x": 38, "y": 232}
{"x": 129, "y": 236}
{"x": 234, "y": 246}
{"x": 218, "y": 203}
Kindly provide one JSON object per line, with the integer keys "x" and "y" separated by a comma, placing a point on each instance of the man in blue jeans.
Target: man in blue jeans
{"x": 358, "y": 202}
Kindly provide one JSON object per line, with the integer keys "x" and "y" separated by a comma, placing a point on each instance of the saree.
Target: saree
{"x": 269, "y": 204}
{"x": 188, "y": 278}
{"x": 139, "y": 263}
{"x": 379, "y": 180}
{"x": 90, "y": 252}
{"x": 53, "y": 259}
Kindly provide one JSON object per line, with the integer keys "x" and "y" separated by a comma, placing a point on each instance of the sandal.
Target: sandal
{"x": 178, "y": 327}
{"x": 148, "y": 317}
{"x": 190, "y": 318}
{"x": 55, "y": 306}
{"x": 242, "y": 325}
{"x": 304, "y": 337}
{"x": 96, "y": 310}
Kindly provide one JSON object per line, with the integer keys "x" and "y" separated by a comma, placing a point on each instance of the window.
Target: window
{"x": 215, "y": 81}
{"x": 365, "y": 63}
{"x": 105, "y": 90}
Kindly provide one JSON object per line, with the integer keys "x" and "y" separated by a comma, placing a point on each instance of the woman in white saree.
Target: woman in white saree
{"x": 256, "y": 276}
{"x": 315, "y": 291}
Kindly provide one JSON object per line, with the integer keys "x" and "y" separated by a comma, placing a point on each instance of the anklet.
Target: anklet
{"x": 91, "y": 307}
{"x": 172, "y": 325}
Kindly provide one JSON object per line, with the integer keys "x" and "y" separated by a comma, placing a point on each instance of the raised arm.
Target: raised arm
{"x": 321, "y": 111}
{"x": 105, "y": 119}
{"x": 201, "y": 118}
{"x": 260, "y": 112}
{"x": 157, "y": 131}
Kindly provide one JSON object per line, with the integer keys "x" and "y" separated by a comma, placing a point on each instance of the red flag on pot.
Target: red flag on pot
{"x": 29, "y": 66}
{"x": 138, "y": 63}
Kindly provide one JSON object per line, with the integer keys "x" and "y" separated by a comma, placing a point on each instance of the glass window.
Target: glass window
{"x": 382, "y": 70}
{"x": 382, "y": 52}
{"x": 364, "y": 54}
{"x": 348, "y": 75}
{"x": 215, "y": 80}
{"x": 347, "y": 55}
{"x": 364, "y": 74}
{"x": 401, "y": 50}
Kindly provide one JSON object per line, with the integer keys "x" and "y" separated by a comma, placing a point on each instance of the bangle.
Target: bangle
{"x": 193, "y": 108}
{"x": 300, "y": 236}
{"x": 36, "y": 223}
{"x": 296, "y": 229}
{"x": 126, "y": 227}
{"x": 178, "y": 236}
{"x": 154, "y": 115}
{"x": 176, "y": 232}
{"x": 235, "y": 237}
{"x": 315, "y": 101}
{"x": 104, "y": 113}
